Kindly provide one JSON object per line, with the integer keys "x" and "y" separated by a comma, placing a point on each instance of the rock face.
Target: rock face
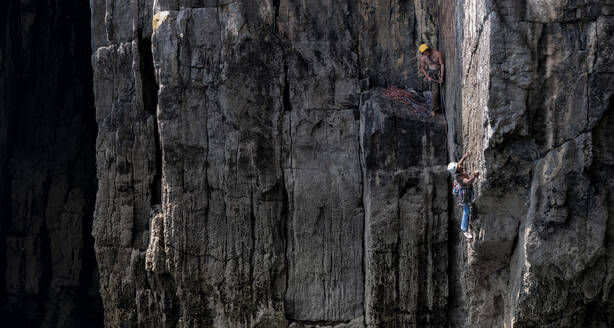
{"x": 251, "y": 173}
{"x": 406, "y": 216}
{"x": 535, "y": 98}
{"x": 48, "y": 271}
{"x": 289, "y": 191}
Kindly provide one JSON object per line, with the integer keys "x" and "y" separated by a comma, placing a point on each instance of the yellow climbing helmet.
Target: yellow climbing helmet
{"x": 423, "y": 47}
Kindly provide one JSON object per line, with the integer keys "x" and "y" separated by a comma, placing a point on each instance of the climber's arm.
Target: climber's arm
{"x": 462, "y": 160}
{"x": 472, "y": 179}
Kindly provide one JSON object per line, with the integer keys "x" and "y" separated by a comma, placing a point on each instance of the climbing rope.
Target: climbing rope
{"x": 441, "y": 92}
{"x": 418, "y": 105}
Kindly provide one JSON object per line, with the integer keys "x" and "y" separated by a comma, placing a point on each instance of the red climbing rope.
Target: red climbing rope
{"x": 418, "y": 106}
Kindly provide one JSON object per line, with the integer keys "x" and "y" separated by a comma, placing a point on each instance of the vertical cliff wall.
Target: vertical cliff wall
{"x": 535, "y": 109}
{"x": 47, "y": 166}
{"x": 252, "y": 175}
{"x": 261, "y": 178}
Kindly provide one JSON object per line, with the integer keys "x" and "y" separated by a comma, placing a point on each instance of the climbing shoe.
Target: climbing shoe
{"x": 467, "y": 234}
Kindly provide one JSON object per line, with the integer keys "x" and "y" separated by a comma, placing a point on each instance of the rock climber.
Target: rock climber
{"x": 431, "y": 65}
{"x": 463, "y": 189}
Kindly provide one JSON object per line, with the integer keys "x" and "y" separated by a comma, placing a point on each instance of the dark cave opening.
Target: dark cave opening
{"x": 47, "y": 166}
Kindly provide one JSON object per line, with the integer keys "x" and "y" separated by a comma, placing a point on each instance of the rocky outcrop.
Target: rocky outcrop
{"x": 48, "y": 271}
{"x": 271, "y": 157}
{"x": 250, "y": 173}
{"x": 406, "y": 216}
{"x": 535, "y": 99}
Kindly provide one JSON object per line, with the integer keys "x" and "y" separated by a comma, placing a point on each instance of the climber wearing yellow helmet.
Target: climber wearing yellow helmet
{"x": 431, "y": 65}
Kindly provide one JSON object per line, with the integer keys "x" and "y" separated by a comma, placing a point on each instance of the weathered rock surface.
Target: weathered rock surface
{"x": 406, "y": 215}
{"x": 48, "y": 273}
{"x": 536, "y": 99}
{"x": 266, "y": 158}
{"x": 250, "y": 173}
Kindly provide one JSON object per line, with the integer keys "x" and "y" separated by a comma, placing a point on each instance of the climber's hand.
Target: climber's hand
{"x": 441, "y": 80}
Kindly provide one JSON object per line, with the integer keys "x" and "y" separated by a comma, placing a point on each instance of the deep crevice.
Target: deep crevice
{"x": 150, "y": 104}
{"x": 286, "y": 101}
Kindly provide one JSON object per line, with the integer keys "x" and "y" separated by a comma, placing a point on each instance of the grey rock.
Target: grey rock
{"x": 292, "y": 193}
{"x": 251, "y": 174}
{"x": 530, "y": 109}
{"x": 406, "y": 219}
{"x": 356, "y": 323}
{"x": 321, "y": 163}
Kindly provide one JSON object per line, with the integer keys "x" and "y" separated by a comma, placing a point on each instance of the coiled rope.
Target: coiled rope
{"x": 418, "y": 105}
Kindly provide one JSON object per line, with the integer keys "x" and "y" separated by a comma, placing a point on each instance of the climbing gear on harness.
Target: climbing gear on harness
{"x": 423, "y": 48}
{"x": 434, "y": 74}
{"x": 419, "y": 105}
{"x": 464, "y": 194}
{"x": 452, "y": 167}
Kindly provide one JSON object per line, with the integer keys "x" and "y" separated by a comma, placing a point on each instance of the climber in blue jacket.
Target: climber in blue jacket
{"x": 463, "y": 189}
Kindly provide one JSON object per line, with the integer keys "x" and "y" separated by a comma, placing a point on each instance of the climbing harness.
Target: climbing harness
{"x": 464, "y": 195}
{"x": 419, "y": 106}
{"x": 434, "y": 74}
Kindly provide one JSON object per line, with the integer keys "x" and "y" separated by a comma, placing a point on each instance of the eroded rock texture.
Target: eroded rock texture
{"x": 536, "y": 99}
{"x": 240, "y": 176}
{"x": 47, "y": 166}
{"x": 406, "y": 216}
{"x": 252, "y": 175}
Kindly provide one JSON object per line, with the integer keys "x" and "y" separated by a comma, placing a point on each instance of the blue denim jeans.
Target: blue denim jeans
{"x": 466, "y": 211}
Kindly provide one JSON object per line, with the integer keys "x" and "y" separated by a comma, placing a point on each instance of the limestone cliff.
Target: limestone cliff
{"x": 287, "y": 192}
{"x": 293, "y": 193}
{"x": 535, "y": 100}
{"x": 282, "y": 189}
{"x": 251, "y": 173}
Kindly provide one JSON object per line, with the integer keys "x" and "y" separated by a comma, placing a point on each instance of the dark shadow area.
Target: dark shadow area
{"x": 150, "y": 102}
{"x": 48, "y": 185}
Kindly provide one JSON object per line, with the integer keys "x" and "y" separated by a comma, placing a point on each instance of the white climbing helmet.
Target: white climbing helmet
{"x": 452, "y": 167}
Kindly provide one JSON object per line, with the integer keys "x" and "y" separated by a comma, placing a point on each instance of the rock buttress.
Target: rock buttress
{"x": 536, "y": 98}
{"x": 406, "y": 215}
{"x": 258, "y": 126}
{"x": 250, "y": 155}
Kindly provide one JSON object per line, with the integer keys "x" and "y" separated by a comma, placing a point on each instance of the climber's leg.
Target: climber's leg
{"x": 465, "y": 222}
{"x": 436, "y": 99}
